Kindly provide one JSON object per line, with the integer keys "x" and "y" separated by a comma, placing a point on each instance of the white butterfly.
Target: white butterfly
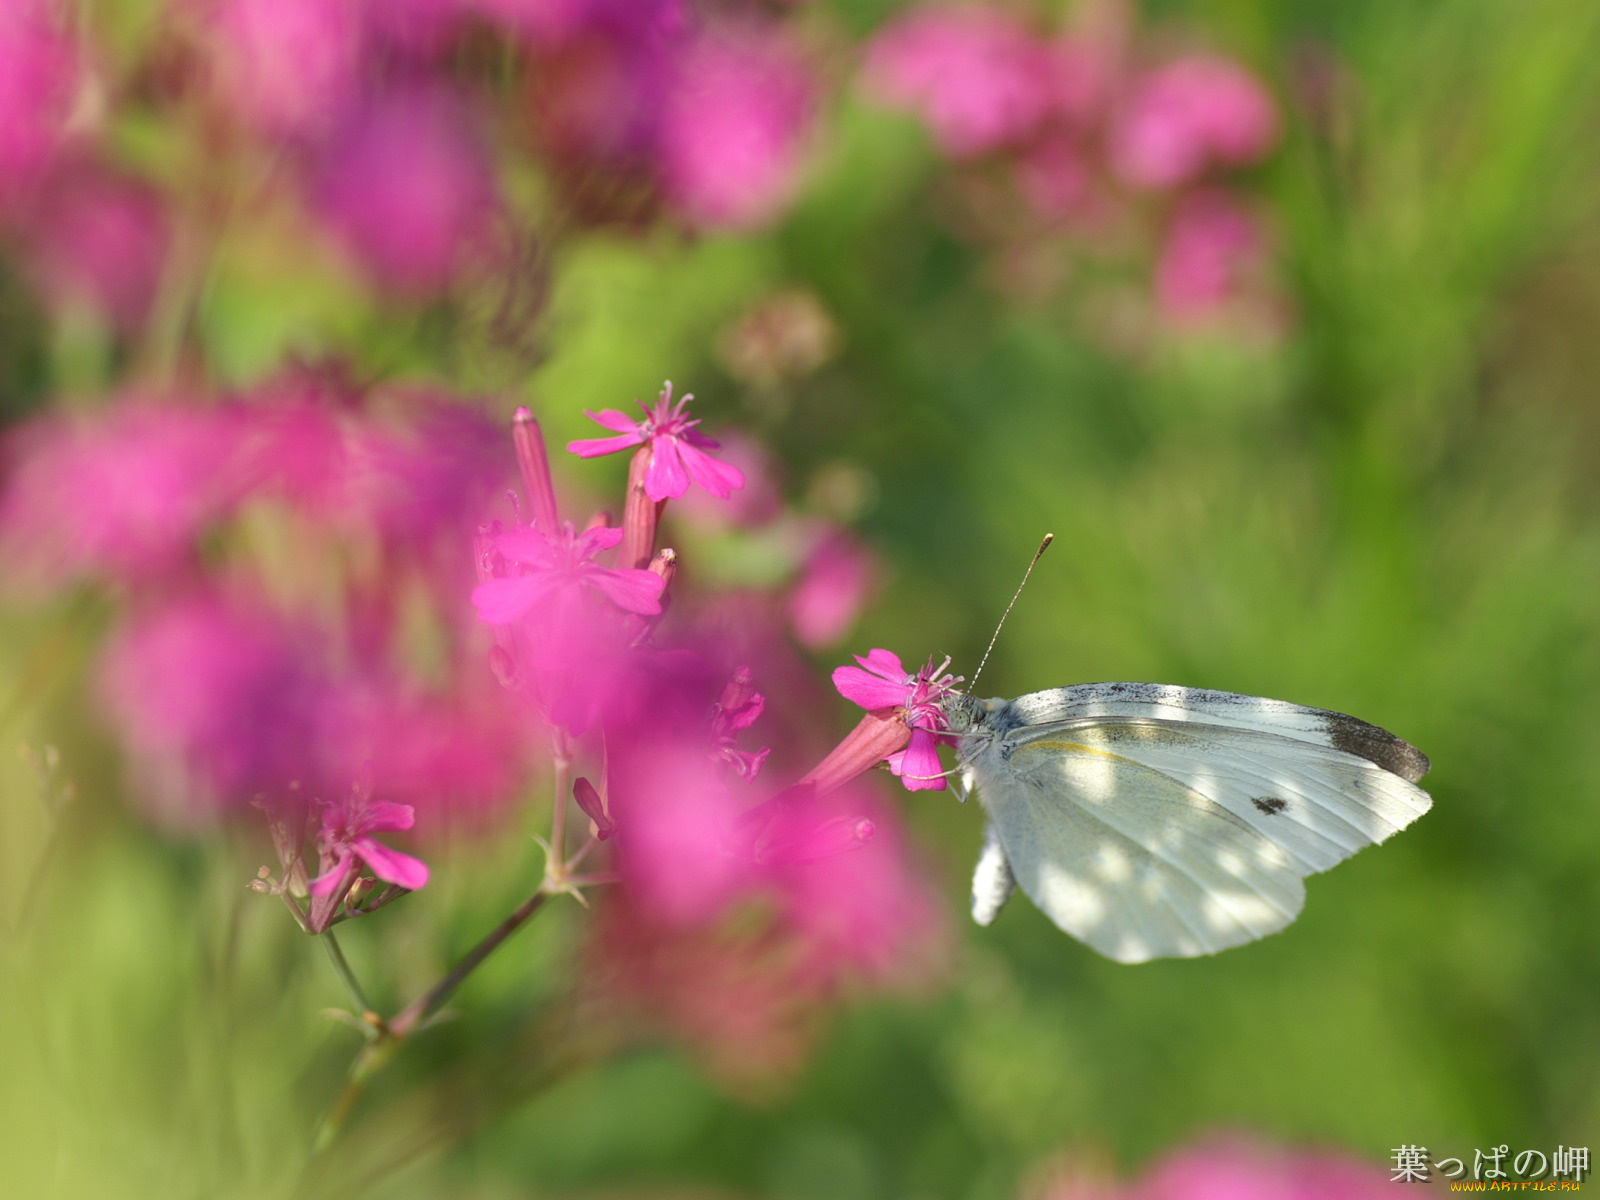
{"x": 1153, "y": 821}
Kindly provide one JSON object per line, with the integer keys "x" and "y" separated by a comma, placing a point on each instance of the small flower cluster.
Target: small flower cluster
{"x": 383, "y": 129}
{"x": 651, "y": 714}
{"x": 1089, "y": 138}
{"x": 280, "y": 556}
{"x": 1237, "y": 1166}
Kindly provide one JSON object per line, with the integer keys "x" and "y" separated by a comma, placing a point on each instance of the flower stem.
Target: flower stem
{"x": 561, "y": 763}
{"x": 346, "y": 975}
{"x": 426, "y": 1004}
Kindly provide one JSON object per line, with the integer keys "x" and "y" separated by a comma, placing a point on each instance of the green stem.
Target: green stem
{"x": 562, "y": 769}
{"x": 425, "y": 1005}
{"x": 346, "y": 975}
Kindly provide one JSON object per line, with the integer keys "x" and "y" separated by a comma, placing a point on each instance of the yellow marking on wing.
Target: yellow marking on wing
{"x": 1078, "y": 746}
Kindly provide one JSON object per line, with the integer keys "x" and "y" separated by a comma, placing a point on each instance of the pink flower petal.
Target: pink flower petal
{"x": 635, "y": 591}
{"x": 619, "y": 422}
{"x": 328, "y": 882}
{"x": 382, "y": 815}
{"x": 391, "y": 865}
{"x": 592, "y": 541}
{"x": 502, "y": 601}
{"x": 595, "y": 447}
{"x": 666, "y": 478}
{"x": 525, "y": 544}
{"x": 718, "y": 478}
{"x": 919, "y": 767}
{"x": 884, "y": 664}
{"x": 867, "y": 690}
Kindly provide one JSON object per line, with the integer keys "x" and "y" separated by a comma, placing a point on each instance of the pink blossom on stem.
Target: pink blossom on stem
{"x": 557, "y": 566}
{"x": 125, "y": 494}
{"x": 899, "y": 700}
{"x": 213, "y": 697}
{"x": 406, "y": 187}
{"x": 1213, "y": 247}
{"x": 674, "y": 444}
{"x": 99, "y": 242}
{"x": 287, "y": 67}
{"x": 732, "y": 128}
{"x": 977, "y": 78}
{"x": 1243, "y": 1168}
{"x": 564, "y": 624}
{"x": 348, "y": 847}
{"x": 1180, "y": 118}
{"x": 39, "y": 73}
{"x": 834, "y": 583}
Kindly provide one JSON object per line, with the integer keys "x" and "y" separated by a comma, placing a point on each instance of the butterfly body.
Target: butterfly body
{"x": 1150, "y": 820}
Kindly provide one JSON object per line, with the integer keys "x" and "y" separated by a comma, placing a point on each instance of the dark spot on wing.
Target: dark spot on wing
{"x": 1269, "y": 804}
{"x": 1376, "y": 746}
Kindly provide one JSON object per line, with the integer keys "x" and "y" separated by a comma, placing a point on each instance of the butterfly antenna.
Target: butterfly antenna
{"x": 1037, "y": 554}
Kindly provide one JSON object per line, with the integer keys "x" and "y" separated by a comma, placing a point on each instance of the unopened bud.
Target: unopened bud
{"x": 641, "y": 516}
{"x": 359, "y": 891}
{"x": 594, "y": 808}
{"x": 534, "y": 462}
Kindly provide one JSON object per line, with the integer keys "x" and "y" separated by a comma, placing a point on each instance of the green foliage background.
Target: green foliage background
{"x": 1394, "y": 514}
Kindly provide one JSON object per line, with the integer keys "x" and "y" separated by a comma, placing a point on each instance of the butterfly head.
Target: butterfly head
{"x": 963, "y": 713}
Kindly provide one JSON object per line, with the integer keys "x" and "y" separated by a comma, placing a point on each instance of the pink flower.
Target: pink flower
{"x": 1213, "y": 247}
{"x": 851, "y": 894}
{"x": 1230, "y": 1167}
{"x": 288, "y": 67}
{"x": 881, "y": 683}
{"x": 406, "y": 187}
{"x": 559, "y": 567}
{"x": 125, "y": 494}
{"x": 39, "y": 72}
{"x": 834, "y": 583}
{"x": 347, "y": 845}
{"x": 976, "y": 77}
{"x": 675, "y": 449}
{"x": 565, "y": 626}
{"x": 216, "y": 702}
{"x": 1236, "y": 1168}
{"x": 1181, "y": 118}
{"x": 732, "y": 128}
{"x": 97, "y": 241}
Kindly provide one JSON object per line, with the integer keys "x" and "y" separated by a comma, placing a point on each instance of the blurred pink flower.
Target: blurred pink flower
{"x": 1239, "y": 1168}
{"x": 1181, "y": 118}
{"x": 97, "y": 241}
{"x": 867, "y": 911}
{"x": 1213, "y": 247}
{"x": 1054, "y": 176}
{"x": 406, "y": 187}
{"x": 288, "y": 67}
{"x": 554, "y": 21}
{"x": 564, "y": 626}
{"x": 733, "y": 126}
{"x": 977, "y": 78}
{"x": 835, "y": 580}
{"x": 881, "y": 683}
{"x": 39, "y": 72}
{"x": 556, "y": 570}
{"x": 214, "y": 699}
{"x": 125, "y": 494}
{"x": 347, "y": 846}
{"x": 675, "y": 448}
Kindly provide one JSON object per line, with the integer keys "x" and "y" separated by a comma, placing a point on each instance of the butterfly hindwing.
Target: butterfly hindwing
{"x": 1132, "y": 861}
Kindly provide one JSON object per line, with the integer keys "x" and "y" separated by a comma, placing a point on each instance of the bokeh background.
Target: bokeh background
{"x": 1350, "y": 460}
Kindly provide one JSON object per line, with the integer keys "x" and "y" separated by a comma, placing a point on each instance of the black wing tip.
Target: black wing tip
{"x": 1379, "y": 746}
